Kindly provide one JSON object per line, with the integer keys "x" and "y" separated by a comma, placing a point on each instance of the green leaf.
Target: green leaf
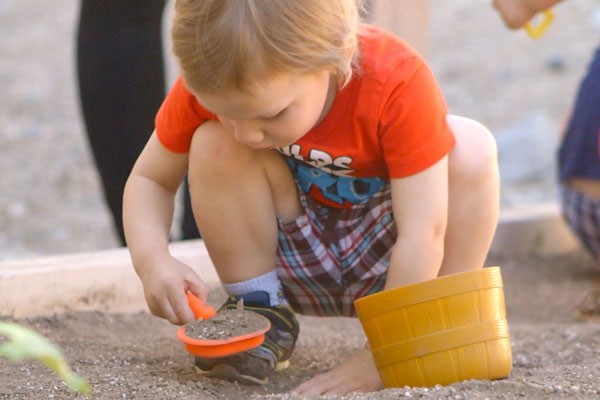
{"x": 24, "y": 343}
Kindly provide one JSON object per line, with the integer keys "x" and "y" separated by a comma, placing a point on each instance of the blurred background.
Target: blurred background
{"x": 50, "y": 196}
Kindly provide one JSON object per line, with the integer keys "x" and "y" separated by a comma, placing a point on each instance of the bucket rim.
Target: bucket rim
{"x": 441, "y": 287}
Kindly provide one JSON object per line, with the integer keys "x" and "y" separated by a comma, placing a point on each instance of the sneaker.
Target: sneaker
{"x": 254, "y": 366}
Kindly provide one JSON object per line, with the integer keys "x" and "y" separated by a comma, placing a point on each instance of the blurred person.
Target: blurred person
{"x": 578, "y": 154}
{"x": 121, "y": 76}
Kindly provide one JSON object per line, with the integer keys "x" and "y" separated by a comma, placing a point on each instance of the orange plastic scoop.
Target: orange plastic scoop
{"x": 200, "y": 309}
{"x": 208, "y": 348}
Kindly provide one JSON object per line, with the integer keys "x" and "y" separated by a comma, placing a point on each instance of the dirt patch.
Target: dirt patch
{"x": 226, "y": 324}
{"x": 137, "y": 356}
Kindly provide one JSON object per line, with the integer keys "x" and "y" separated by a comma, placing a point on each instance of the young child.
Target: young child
{"x": 322, "y": 168}
{"x": 578, "y": 157}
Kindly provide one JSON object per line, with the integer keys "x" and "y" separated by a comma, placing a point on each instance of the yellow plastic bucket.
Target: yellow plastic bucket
{"x": 441, "y": 331}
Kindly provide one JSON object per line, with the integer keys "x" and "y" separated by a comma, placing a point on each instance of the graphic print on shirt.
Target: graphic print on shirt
{"x": 327, "y": 179}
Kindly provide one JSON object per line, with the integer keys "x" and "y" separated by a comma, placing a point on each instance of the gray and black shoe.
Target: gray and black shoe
{"x": 254, "y": 366}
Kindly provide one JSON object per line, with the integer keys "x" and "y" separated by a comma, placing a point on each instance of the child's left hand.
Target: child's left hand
{"x": 356, "y": 374}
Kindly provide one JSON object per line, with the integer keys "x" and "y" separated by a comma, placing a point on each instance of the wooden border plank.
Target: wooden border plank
{"x": 102, "y": 280}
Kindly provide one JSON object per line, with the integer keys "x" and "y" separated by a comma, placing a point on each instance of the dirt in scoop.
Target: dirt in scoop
{"x": 226, "y": 324}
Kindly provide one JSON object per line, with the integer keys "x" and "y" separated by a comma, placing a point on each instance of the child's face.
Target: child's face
{"x": 283, "y": 110}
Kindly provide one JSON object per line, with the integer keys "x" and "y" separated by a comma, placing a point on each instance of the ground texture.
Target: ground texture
{"x": 137, "y": 356}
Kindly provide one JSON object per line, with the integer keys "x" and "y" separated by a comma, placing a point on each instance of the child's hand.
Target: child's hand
{"x": 515, "y": 13}
{"x": 165, "y": 284}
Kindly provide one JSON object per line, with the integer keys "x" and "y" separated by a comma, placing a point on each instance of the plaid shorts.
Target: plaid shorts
{"x": 582, "y": 214}
{"x": 329, "y": 257}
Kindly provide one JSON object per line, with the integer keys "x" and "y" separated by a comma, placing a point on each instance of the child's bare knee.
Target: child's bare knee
{"x": 212, "y": 149}
{"x": 475, "y": 153}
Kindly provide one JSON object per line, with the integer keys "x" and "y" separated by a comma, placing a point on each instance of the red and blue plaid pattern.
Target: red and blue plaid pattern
{"x": 329, "y": 257}
{"x": 582, "y": 214}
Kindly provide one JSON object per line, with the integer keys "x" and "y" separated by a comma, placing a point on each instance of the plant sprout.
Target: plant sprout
{"x": 23, "y": 343}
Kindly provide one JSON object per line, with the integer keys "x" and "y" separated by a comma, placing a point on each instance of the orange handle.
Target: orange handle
{"x": 200, "y": 309}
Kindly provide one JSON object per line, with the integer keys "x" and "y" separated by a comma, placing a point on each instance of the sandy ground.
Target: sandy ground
{"x": 125, "y": 356}
{"x": 50, "y": 203}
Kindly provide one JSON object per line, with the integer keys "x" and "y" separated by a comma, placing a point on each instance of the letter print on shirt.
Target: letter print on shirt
{"x": 331, "y": 188}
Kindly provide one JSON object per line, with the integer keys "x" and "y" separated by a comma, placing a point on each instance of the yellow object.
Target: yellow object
{"x": 537, "y": 31}
{"x": 445, "y": 330}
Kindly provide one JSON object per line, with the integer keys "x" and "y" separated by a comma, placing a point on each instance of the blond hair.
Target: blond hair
{"x": 224, "y": 45}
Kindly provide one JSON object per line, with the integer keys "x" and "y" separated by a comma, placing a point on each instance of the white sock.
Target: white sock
{"x": 268, "y": 282}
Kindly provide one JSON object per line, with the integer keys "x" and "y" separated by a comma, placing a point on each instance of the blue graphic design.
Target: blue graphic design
{"x": 339, "y": 189}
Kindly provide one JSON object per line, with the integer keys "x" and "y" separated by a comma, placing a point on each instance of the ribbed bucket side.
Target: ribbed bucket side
{"x": 456, "y": 331}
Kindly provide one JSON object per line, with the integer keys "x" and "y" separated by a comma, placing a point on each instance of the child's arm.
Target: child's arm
{"x": 420, "y": 205}
{"x": 516, "y": 13}
{"x": 148, "y": 205}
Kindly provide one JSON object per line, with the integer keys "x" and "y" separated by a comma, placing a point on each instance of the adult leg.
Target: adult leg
{"x": 121, "y": 83}
{"x": 189, "y": 229}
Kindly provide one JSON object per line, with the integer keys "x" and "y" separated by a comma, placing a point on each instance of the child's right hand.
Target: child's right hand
{"x": 165, "y": 285}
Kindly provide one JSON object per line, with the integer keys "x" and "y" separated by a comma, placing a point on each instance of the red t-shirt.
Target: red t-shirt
{"x": 388, "y": 122}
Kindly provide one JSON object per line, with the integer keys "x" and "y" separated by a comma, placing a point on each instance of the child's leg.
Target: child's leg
{"x": 474, "y": 193}
{"x": 234, "y": 192}
{"x": 473, "y": 214}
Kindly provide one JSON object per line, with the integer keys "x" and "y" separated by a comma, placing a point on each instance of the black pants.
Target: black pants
{"x": 122, "y": 84}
